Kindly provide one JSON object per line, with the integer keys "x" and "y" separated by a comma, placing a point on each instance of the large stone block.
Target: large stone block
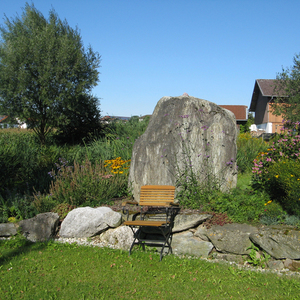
{"x": 185, "y": 222}
{"x": 8, "y": 229}
{"x": 230, "y": 238}
{"x": 186, "y": 244}
{"x": 120, "y": 237}
{"x": 279, "y": 241}
{"x": 185, "y": 132}
{"x": 41, "y": 227}
{"x": 87, "y": 221}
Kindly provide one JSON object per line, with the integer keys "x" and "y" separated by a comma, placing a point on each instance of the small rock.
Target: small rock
{"x": 8, "y": 229}
{"x": 275, "y": 265}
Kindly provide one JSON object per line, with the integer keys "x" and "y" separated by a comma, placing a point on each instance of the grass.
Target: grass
{"x": 62, "y": 271}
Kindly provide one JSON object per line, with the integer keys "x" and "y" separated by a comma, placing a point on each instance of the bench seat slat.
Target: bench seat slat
{"x": 145, "y": 223}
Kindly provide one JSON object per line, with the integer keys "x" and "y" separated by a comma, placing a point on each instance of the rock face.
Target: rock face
{"x": 87, "y": 221}
{"x": 278, "y": 242}
{"x": 121, "y": 237}
{"x": 184, "y": 222}
{"x": 185, "y": 133}
{"x": 230, "y": 238}
{"x": 187, "y": 243}
{"x": 40, "y": 228}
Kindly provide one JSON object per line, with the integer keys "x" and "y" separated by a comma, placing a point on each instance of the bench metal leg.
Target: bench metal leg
{"x": 166, "y": 243}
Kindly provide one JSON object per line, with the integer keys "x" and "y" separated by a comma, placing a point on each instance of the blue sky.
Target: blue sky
{"x": 213, "y": 49}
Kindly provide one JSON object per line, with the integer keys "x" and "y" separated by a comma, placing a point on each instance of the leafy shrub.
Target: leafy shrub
{"x": 256, "y": 259}
{"x": 292, "y": 220}
{"x": 284, "y": 148}
{"x": 241, "y": 205}
{"x": 194, "y": 193}
{"x": 277, "y": 170}
{"x": 16, "y": 208}
{"x": 247, "y": 149}
{"x": 80, "y": 185}
{"x": 283, "y": 184}
{"x": 273, "y": 214}
{"x": 63, "y": 209}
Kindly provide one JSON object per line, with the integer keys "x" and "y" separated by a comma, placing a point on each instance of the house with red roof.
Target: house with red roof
{"x": 240, "y": 112}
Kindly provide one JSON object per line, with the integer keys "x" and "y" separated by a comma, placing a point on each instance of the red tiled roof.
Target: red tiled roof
{"x": 240, "y": 111}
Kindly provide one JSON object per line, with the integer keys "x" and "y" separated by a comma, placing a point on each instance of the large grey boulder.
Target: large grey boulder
{"x": 42, "y": 227}
{"x": 229, "y": 238}
{"x": 279, "y": 242}
{"x": 184, "y": 222}
{"x": 7, "y": 229}
{"x": 120, "y": 238}
{"x": 185, "y": 132}
{"x": 86, "y": 221}
{"x": 186, "y": 244}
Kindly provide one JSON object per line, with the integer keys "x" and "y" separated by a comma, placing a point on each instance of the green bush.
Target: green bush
{"x": 24, "y": 162}
{"x": 16, "y": 208}
{"x": 63, "y": 209}
{"x": 241, "y": 205}
{"x": 247, "y": 149}
{"x": 81, "y": 185}
{"x": 283, "y": 184}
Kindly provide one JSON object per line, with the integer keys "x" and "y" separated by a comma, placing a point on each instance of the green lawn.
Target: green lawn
{"x": 61, "y": 271}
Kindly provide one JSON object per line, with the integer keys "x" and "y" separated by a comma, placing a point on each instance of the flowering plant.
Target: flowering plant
{"x": 286, "y": 147}
{"x": 117, "y": 165}
{"x": 81, "y": 184}
{"x": 278, "y": 170}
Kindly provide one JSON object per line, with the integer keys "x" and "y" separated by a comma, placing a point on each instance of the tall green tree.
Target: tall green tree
{"x": 287, "y": 91}
{"x": 46, "y": 74}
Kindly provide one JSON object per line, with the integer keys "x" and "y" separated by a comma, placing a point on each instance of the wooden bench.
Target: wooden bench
{"x": 154, "y": 200}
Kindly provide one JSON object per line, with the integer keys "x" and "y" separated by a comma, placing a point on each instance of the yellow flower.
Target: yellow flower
{"x": 292, "y": 175}
{"x": 276, "y": 176}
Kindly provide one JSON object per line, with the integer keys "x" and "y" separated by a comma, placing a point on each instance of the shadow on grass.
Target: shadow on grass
{"x": 19, "y": 245}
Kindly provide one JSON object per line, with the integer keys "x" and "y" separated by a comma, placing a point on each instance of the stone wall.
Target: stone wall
{"x": 230, "y": 242}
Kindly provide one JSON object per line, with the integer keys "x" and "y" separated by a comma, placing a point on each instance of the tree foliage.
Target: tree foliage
{"x": 46, "y": 74}
{"x": 287, "y": 91}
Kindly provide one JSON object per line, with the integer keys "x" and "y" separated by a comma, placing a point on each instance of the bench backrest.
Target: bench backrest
{"x": 157, "y": 195}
